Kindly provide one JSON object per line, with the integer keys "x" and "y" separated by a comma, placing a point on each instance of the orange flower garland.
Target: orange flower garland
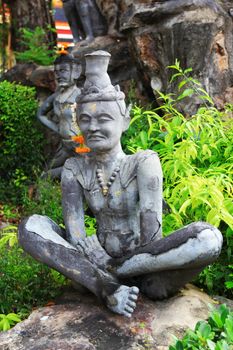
{"x": 63, "y": 50}
{"x": 78, "y": 139}
{"x": 82, "y": 148}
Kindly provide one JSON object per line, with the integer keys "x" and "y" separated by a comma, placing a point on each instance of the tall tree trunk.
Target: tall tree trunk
{"x": 30, "y": 14}
{"x": 3, "y": 36}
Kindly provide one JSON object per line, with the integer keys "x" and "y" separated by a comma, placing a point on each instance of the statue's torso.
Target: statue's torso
{"x": 117, "y": 214}
{"x": 63, "y": 110}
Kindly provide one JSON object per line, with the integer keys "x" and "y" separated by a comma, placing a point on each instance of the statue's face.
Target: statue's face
{"x": 101, "y": 124}
{"x": 63, "y": 74}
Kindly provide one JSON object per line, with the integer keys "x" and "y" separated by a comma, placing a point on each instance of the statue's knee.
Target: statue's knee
{"x": 23, "y": 234}
{"x": 212, "y": 239}
{"x": 35, "y": 226}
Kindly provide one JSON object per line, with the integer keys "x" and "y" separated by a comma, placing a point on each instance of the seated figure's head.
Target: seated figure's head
{"x": 67, "y": 70}
{"x": 102, "y": 114}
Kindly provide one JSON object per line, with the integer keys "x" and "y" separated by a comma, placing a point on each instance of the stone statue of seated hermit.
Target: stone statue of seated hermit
{"x": 124, "y": 192}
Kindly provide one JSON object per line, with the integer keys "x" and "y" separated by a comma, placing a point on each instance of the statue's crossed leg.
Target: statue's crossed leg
{"x": 43, "y": 239}
{"x": 159, "y": 269}
{"x": 162, "y": 267}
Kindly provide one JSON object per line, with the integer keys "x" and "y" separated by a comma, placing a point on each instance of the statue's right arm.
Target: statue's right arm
{"x": 72, "y": 205}
{"x": 45, "y": 108}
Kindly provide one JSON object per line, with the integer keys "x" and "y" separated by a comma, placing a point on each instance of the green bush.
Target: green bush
{"x": 196, "y": 155}
{"x": 36, "y": 49}
{"x": 21, "y": 140}
{"x": 24, "y": 283}
{"x": 215, "y": 334}
{"x": 46, "y": 200}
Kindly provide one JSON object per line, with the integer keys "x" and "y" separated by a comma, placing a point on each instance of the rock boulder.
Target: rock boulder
{"x": 154, "y": 33}
{"x": 197, "y": 33}
{"x": 79, "y": 322}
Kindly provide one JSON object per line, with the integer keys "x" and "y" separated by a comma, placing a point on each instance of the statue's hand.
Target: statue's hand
{"x": 92, "y": 249}
{"x": 150, "y": 226}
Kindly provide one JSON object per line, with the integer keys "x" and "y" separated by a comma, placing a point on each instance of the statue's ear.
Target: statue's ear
{"x": 76, "y": 71}
{"x": 127, "y": 118}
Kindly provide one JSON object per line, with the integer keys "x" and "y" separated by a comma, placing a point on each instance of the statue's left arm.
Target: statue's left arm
{"x": 44, "y": 109}
{"x": 72, "y": 204}
{"x": 150, "y": 184}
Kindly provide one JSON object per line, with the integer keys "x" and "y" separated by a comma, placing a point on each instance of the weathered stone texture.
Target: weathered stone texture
{"x": 32, "y": 75}
{"x": 119, "y": 68}
{"x": 81, "y": 323}
{"x": 197, "y": 33}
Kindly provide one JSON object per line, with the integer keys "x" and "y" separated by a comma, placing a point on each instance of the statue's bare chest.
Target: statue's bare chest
{"x": 118, "y": 200}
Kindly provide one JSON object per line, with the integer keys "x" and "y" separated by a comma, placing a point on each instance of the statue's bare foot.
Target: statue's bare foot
{"x": 87, "y": 41}
{"x": 123, "y": 301}
{"x": 92, "y": 249}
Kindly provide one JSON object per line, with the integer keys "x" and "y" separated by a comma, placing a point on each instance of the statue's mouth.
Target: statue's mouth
{"x": 95, "y": 138}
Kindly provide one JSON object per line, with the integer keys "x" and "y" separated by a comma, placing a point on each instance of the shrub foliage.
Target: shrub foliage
{"x": 36, "y": 48}
{"x": 214, "y": 334}
{"x": 21, "y": 140}
{"x": 24, "y": 282}
{"x": 196, "y": 153}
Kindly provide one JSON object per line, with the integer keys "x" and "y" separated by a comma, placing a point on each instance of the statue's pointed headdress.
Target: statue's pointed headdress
{"x": 98, "y": 86}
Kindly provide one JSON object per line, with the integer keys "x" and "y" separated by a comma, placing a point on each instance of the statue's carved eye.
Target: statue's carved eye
{"x": 84, "y": 118}
{"x": 104, "y": 118}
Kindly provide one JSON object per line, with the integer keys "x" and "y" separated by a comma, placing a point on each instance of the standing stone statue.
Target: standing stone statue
{"x": 111, "y": 11}
{"x": 84, "y": 20}
{"x": 124, "y": 192}
{"x": 67, "y": 70}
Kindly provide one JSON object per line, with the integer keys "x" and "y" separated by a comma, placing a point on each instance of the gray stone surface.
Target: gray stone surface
{"x": 120, "y": 69}
{"x": 197, "y": 33}
{"x": 79, "y": 322}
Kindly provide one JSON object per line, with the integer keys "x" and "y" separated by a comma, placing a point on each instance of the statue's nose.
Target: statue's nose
{"x": 93, "y": 126}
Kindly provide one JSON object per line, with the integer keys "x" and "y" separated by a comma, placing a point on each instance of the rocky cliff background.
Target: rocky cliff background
{"x": 153, "y": 34}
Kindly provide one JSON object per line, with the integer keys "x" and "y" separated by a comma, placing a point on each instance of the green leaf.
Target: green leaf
{"x": 174, "y": 76}
{"x": 216, "y": 317}
{"x": 229, "y": 328}
{"x": 13, "y": 317}
{"x": 211, "y": 344}
{"x": 182, "y": 83}
{"x": 188, "y": 70}
{"x": 222, "y": 345}
{"x": 4, "y": 324}
{"x": 185, "y": 205}
{"x": 213, "y": 217}
{"x": 179, "y": 345}
{"x": 229, "y": 284}
{"x": 185, "y": 93}
{"x": 205, "y": 330}
{"x": 206, "y": 150}
{"x": 144, "y": 139}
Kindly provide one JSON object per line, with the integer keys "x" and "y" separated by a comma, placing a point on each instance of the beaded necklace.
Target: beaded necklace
{"x": 105, "y": 186}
